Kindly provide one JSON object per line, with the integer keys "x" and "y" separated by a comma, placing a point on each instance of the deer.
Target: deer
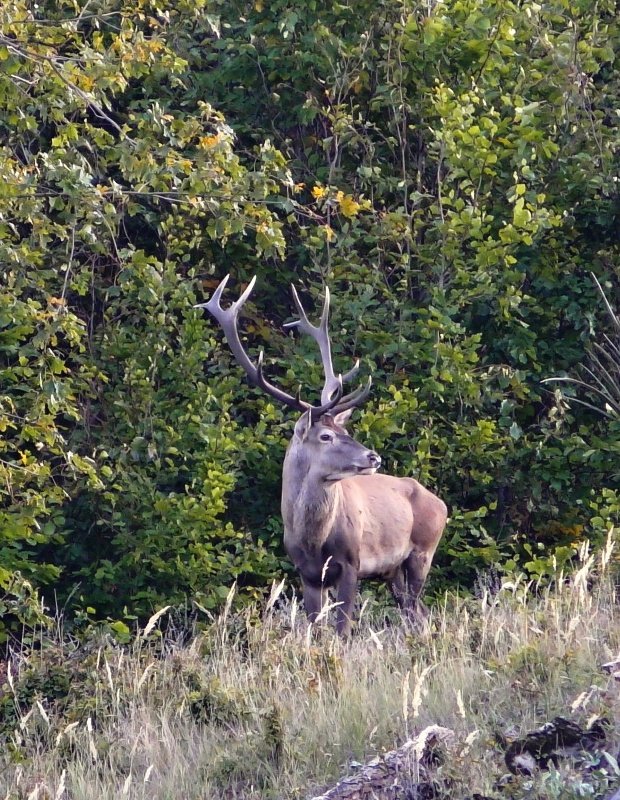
{"x": 343, "y": 521}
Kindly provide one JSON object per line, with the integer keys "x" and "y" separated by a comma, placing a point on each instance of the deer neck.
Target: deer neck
{"x": 310, "y": 505}
{"x": 315, "y": 513}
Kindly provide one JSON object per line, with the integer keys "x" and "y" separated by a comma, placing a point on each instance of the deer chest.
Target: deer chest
{"x": 318, "y": 569}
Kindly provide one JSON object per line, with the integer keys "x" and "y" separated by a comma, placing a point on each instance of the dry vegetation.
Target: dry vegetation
{"x": 258, "y": 706}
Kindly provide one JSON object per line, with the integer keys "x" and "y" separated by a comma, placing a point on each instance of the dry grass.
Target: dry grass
{"x": 260, "y": 707}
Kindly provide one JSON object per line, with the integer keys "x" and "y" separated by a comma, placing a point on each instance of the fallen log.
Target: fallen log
{"x": 553, "y": 741}
{"x": 613, "y": 668}
{"x": 398, "y": 773}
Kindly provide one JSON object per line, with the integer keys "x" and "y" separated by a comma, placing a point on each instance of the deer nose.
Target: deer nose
{"x": 374, "y": 458}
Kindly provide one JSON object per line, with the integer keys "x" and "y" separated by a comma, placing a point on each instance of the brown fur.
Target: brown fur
{"x": 357, "y": 526}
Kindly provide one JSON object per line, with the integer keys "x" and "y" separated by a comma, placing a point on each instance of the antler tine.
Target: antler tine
{"x": 356, "y": 398}
{"x": 244, "y": 296}
{"x": 325, "y": 313}
{"x": 320, "y": 334}
{"x": 227, "y": 318}
{"x": 352, "y": 372}
{"x": 304, "y": 322}
{"x": 215, "y": 300}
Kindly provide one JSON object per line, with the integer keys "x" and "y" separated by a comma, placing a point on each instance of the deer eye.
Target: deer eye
{"x": 325, "y": 437}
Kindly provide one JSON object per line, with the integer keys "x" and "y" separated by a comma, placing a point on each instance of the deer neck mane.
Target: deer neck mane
{"x": 315, "y": 512}
{"x": 310, "y": 505}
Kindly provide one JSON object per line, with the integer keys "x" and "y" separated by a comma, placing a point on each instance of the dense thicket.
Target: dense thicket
{"x": 450, "y": 169}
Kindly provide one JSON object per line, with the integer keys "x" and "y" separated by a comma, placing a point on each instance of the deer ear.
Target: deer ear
{"x": 343, "y": 417}
{"x": 302, "y": 426}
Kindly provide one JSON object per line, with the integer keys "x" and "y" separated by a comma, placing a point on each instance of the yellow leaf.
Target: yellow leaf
{"x": 205, "y": 142}
{"x": 348, "y": 205}
{"x": 329, "y": 233}
{"x": 86, "y": 83}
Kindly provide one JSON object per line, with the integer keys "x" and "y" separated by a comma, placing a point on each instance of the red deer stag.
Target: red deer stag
{"x": 342, "y": 522}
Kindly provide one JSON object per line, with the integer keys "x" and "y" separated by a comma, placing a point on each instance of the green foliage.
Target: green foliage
{"x": 448, "y": 169}
{"x": 21, "y": 609}
{"x": 116, "y": 455}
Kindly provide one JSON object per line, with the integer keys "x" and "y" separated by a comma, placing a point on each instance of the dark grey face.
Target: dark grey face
{"x": 336, "y": 454}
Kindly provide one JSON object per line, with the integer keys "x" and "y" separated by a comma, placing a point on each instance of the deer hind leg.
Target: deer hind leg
{"x": 398, "y": 585}
{"x": 408, "y": 583}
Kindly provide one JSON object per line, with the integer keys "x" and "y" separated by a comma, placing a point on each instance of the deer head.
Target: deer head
{"x": 325, "y": 448}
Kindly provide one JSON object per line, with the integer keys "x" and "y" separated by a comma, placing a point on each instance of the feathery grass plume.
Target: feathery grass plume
{"x": 260, "y": 704}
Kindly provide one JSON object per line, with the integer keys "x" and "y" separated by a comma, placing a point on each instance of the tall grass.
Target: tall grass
{"x": 261, "y": 705}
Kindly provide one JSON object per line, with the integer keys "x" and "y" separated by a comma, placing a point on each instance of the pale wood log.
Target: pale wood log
{"x": 385, "y": 777}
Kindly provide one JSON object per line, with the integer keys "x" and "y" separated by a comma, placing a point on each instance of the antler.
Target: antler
{"x": 227, "y": 319}
{"x": 320, "y": 334}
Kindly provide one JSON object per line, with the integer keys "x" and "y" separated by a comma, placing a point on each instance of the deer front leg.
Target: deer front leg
{"x": 347, "y": 590}
{"x": 313, "y": 599}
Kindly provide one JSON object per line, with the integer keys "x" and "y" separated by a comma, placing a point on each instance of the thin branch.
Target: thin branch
{"x": 610, "y": 310}
{"x": 80, "y": 18}
{"x": 69, "y": 264}
{"x": 51, "y": 61}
